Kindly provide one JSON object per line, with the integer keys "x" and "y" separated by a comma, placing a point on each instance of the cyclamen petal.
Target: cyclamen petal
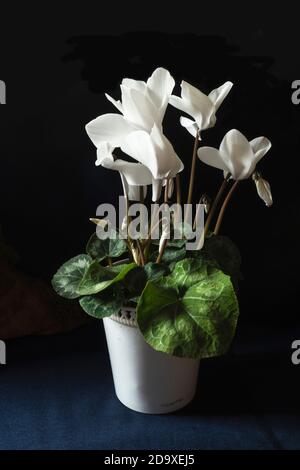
{"x": 194, "y": 95}
{"x": 145, "y": 103}
{"x": 135, "y": 173}
{"x": 116, "y": 103}
{"x": 134, "y": 84}
{"x": 236, "y": 155}
{"x": 212, "y": 157}
{"x": 169, "y": 164}
{"x": 112, "y": 128}
{"x": 139, "y": 146}
{"x": 104, "y": 151}
{"x": 200, "y": 107}
{"x": 260, "y": 146}
{"x": 138, "y": 109}
{"x": 160, "y": 86}
{"x": 190, "y": 126}
{"x": 154, "y": 151}
{"x": 179, "y": 103}
{"x": 218, "y": 95}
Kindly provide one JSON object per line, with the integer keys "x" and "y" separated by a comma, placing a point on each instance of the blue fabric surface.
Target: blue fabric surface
{"x": 57, "y": 393}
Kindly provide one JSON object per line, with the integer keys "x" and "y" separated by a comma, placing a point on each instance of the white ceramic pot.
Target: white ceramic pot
{"x": 146, "y": 380}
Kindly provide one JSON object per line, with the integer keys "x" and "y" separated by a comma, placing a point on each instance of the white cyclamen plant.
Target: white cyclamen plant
{"x": 186, "y": 301}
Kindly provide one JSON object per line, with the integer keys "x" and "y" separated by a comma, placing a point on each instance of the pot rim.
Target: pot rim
{"x": 126, "y": 317}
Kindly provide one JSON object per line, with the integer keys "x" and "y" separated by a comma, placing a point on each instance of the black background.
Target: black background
{"x": 57, "y": 65}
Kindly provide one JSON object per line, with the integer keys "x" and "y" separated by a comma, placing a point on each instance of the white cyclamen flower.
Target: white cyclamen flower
{"x": 200, "y": 107}
{"x": 143, "y": 105}
{"x": 156, "y": 153}
{"x": 263, "y": 189}
{"x": 236, "y": 154}
{"x": 133, "y": 175}
{"x": 157, "y": 161}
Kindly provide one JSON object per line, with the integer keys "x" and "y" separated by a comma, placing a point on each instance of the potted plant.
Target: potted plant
{"x": 165, "y": 285}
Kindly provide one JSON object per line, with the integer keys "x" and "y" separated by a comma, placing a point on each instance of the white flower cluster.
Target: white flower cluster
{"x": 137, "y": 129}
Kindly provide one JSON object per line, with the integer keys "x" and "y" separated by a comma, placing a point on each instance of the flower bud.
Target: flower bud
{"x": 206, "y": 201}
{"x": 101, "y": 222}
{"x": 263, "y": 188}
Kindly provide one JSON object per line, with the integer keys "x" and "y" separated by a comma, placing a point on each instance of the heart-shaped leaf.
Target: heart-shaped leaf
{"x": 136, "y": 279}
{"x": 67, "y": 279}
{"x": 105, "y": 304}
{"x": 97, "y": 278}
{"x": 112, "y": 247}
{"x": 188, "y": 272}
{"x": 191, "y": 313}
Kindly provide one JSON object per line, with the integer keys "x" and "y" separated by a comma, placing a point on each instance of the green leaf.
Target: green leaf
{"x": 187, "y": 272}
{"x": 170, "y": 255}
{"x": 105, "y": 304}
{"x": 136, "y": 279}
{"x": 116, "y": 268}
{"x": 155, "y": 271}
{"x": 67, "y": 279}
{"x": 173, "y": 254}
{"x": 110, "y": 247}
{"x": 154, "y": 300}
{"x": 165, "y": 325}
{"x": 97, "y": 278}
{"x": 190, "y": 313}
{"x": 213, "y": 306}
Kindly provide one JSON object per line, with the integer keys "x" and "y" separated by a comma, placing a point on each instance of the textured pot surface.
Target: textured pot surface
{"x": 146, "y": 380}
